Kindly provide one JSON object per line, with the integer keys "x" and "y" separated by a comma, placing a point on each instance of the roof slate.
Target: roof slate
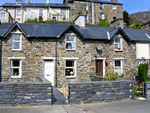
{"x": 36, "y": 5}
{"x": 88, "y": 32}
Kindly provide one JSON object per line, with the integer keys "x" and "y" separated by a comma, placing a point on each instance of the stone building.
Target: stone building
{"x": 69, "y": 53}
{"x": 5, "y": 17}
{"x": 95, "y": 10}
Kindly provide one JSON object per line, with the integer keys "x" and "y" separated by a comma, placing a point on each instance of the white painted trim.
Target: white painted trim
{"x": 18, "y": 41}
{"x": 103, "y": 64}
{"x": 118, "y": 58}
{"x": 108, "y": 35}
{"x": 16, "y": 58}
{"x": 49, "y": 58}
{"x": 147, "y": 35}
{"x": 70, "y": 58}
{"x": 121, "y": 64}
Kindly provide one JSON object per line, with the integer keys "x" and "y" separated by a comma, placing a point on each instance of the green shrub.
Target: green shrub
{"x": 137, "y": 25}
{"x": 143, "y": 72}
{"x": 104, "y": 22}
{"x": 40, "y": 19}
{"x": 135, "y": 88}
{"x": 111, "y": 76}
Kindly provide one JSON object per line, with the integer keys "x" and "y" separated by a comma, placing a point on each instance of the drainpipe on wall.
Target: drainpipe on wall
{"x": 106, "y": 57}
{"x": 56, "y": 63}
{"x": 0, "y": 60}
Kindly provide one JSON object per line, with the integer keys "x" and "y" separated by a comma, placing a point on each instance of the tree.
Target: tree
{"x": 143, "y": 72}
{"x": 104, "y": 22}
{"x": 137, "y": 25}
{"x": 126, "y": 17}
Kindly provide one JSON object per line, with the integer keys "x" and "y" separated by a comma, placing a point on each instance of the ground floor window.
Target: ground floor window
{"x": 15, "y": 70}
{"x": 70, "y": 70}
{"x": 118, "y": 66}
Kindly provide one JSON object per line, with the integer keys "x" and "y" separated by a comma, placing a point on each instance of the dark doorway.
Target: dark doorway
{"x": 99, "y": 67}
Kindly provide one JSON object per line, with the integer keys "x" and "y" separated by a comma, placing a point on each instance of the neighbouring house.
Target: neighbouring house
{"x": 146, "y": 25}
{"x": 95, "y": 10}
{"x": 70, "y": 53}
{"x": 21, "y": 12}
{"x": 5, "y": 16}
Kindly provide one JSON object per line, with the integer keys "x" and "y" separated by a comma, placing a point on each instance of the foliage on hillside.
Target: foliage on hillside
{"x": 104, "y": 22}
{"x": 137, "y": 25}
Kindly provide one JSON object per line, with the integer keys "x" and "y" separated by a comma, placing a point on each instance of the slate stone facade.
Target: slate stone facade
{"x": 33, "y": 49}
{"x": 106, "y": 91}
{"x": 108, "y": 10}
{"x": 146, "y": 90}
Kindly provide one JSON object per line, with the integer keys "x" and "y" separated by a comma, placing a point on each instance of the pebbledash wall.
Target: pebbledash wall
{"x": 104, "y": 91}
{"x": 34, "y": 49}
{"x": 33, "y": 93}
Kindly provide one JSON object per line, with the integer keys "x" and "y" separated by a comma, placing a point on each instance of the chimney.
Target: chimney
{"x": 28, "y": 1}
{"x": 80, "y": 21}
{"x": 47, "y": 1}
{"x": 115, "y": 1}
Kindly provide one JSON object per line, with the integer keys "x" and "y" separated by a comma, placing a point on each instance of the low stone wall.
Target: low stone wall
{"x": 146, "y": 90}
{"x": 14, "y": 94}
{"x": 103, "y": 91}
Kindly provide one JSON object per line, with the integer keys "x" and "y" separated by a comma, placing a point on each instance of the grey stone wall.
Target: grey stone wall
{"x": 14, "y": 94}
{"x": 146, "y": 90}
{"x": 105, "y": 91}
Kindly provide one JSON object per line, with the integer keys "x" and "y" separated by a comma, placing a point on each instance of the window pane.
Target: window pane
{"x": 14, "y": 72}
{"x": 69, "y": 72}
{"x": 118, "y": 70}
{"x": 15, "y": 63}
{"x": 15, "y": 45}
{"x": 70, "y": 38}
{"x": 16, "y": 37}
{"x": 117, "y": 40}
{"x": 69, "y": 63}
{"x": 68, "y": 45}
{"x": 117, "y": 63}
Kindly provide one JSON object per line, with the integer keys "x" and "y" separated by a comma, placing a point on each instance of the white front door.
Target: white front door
{"x": 49, "y": 71}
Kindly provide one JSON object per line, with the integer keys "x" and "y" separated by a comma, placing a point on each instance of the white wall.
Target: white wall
{"x": 142, "y": 50}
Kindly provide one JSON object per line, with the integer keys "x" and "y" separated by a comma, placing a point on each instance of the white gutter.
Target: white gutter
{"x": 108, "y": 35}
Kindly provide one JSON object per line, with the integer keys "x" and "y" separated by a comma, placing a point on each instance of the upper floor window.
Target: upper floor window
{"x": 18, "y": 20}
{"x": 2, "y": 16}
{"x": 72, "y": 6}
{"x": 40, "y": 11}
{"x": 72, "y": 16}
{"x": 6, "y": 10}
{"x": 70, "y": 42}
{"x": 101, "y": 15}
{"x": 86, "y": 18}
{"x": 118, "y": 44}
{"x": 18, "y": 11}
{"x": 16, "y": 41}
{"x": 101, "y": 6}
{"x": 15, "y": 70}
{"x": 85, "y": 7}
{"x": 63, "y": 12}
{"x": 114, "y": 7}
{"x": 118, "y": 66}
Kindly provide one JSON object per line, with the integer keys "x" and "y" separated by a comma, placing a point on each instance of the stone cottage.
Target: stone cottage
{"x": 69, "y": 53}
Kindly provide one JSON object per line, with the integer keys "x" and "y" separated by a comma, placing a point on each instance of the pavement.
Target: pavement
{"x": 135, "y": 106}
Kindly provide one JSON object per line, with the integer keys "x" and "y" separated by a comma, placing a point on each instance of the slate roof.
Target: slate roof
{"x": 36, "y": 5}
{"x": 88, "y": 32}
{"x": 97, "y": 1}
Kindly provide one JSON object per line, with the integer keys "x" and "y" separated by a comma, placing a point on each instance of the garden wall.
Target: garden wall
{"x": 14, "y": 94}
{"x": 146, "y": 90}
{"x": 103, "y": 91}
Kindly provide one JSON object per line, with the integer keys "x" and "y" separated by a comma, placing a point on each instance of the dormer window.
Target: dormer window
{"x": 85, "y": 7}
{"x": 18, "y": 2}
{"x": 118, "y": 44}
{"x": 70, "y": 42}
{"x": 101, "y": 6}
{"x": 16, "y": 41}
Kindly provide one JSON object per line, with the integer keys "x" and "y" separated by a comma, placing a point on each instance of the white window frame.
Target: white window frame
{"x": 20, "y": 68}
{"x": 17, "y": 41}
{"x": 101, "y": 17}
{"x": 87, "y": 19}
{"x": 101, "y": 6}
{"x": 2, "y": 14}
{"x": 18, "y": 13}
{"x": 70, "y": 34}
{"x": 114, "y": 7}
{"x": 18, "y": 21}
{"x": 85, "y": 7}
{"x": 72, "y": 6}
{"x": 63, "y": 10}
{"x": 121, "y": 47}
{"x": 121, "y": 61}
{"x": 75, "y": 68}
{"x": 41, "y": 10}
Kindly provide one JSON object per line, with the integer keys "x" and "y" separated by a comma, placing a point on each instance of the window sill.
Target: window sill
{"x": 70, "y": 49}
{"x": 16, "y": 50}
{"x": 3, "y": 18}
{"x": 118, "y": 50}
{"x": 70, "y": 77}
{"x": 15, "y": 77}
